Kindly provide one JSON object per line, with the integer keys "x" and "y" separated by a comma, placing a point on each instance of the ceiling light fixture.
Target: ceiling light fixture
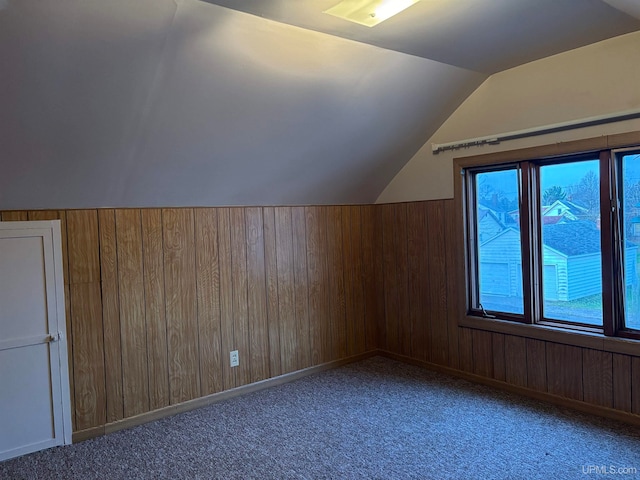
{"x": 369, "y": 12}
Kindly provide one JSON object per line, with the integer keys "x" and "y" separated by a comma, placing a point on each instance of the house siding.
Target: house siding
{"x": 504, "y": 249}
{"x": 584, "y": 275}
{"x": 630, "y": 266}
{"x": 488, "y": 228}
{"x": 553, "y": 258}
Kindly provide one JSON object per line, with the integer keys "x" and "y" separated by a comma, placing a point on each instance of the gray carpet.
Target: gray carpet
{"x": 373, "y": 419}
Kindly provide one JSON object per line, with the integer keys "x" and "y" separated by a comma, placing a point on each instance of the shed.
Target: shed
{"x": 571, "y": 262}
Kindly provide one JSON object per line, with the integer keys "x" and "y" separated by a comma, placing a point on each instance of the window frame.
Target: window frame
{"x": 472, "y": 258}
{"x": 528, "y": 162}
{"x": 617, "y": 180}
{"x": 604, "y": 242}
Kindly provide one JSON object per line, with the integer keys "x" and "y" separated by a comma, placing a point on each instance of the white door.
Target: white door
{"x": 34, "y": 379}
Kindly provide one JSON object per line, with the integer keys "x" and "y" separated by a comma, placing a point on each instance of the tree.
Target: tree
{"x": 631, "y": 206}
{"x": 588, "y": 193}
{"x": 631, "y": 195}
{"x": 552, "y": 194}
{"x": 485, "y": 189}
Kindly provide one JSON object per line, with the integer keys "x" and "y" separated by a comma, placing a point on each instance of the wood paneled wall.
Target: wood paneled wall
{"x": 420, "y": 261}
{"x": 419, "y": 282}
{"x": 157, "y": 298}
{"x": 597, "y": 377}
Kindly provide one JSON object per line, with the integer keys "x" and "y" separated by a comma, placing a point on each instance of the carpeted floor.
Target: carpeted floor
{"x": 376, "y": 419}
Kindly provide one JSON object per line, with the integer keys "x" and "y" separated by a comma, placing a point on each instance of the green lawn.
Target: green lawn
{"x": 592, "y": 302}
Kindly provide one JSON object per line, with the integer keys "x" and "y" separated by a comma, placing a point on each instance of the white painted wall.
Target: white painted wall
{"x": 595, "y": 80}
{"x": 182, "y": 103}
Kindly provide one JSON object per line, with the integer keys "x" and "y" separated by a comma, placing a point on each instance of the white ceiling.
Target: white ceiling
{"x": 482, "y": 35}
{"x": 186, "y": 103}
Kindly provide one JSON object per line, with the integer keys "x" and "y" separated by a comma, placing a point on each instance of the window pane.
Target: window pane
{"x": 570, "y": 218}
{"x": 631, "y": 209}
{"x": 498, "y": 241}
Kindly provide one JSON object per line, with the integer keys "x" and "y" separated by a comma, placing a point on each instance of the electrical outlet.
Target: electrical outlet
{"x": 234, "y": 358}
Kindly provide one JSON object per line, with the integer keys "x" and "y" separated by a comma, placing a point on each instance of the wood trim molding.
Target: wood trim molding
{"x": 88, "y": 433}
{"x": 578, "y": 405}
{"x": 290, "y": 377}
{"x": 622, "y": 140}
{"x": 215, "y": 398}
{"x": 619, "y": 140}
{"x": 548, "y": 333}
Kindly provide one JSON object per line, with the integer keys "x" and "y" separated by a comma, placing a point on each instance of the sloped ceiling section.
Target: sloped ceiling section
{"x": 557, "y": 89}
{"x": 483, "y": 35}
{"x": 176, "y": 103}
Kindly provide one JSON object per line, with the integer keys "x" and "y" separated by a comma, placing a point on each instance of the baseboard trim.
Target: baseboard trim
{"x": 170, "y": 410}
{"x": 82, "y": 435}
{"x": 578, "y": 405}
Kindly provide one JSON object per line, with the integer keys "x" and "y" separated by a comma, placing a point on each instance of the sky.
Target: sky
{"x": 564, "y": 175}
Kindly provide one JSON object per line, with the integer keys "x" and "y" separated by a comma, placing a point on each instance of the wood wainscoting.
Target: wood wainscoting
{"x": 423, "y": 324}
{"x": 157, "y": 299}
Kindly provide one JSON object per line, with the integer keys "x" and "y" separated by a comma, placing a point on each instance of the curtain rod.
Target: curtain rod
{"x": 530, "y": 132}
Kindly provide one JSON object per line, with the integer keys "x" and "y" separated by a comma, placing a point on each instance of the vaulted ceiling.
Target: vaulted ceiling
{"x": 482, "y": 35}
{"x": 248, "y": 102}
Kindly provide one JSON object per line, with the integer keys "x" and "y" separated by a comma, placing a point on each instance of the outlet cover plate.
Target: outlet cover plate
{"x": 234, "y": 358}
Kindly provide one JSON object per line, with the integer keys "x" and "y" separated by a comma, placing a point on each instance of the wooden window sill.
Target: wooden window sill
{"x": 595, "y": 341}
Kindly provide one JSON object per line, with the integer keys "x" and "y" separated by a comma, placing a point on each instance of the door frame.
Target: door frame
{"x": 49, "y": 231}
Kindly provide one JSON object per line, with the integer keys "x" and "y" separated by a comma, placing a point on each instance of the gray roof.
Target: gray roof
{"x": 572, "y": 238}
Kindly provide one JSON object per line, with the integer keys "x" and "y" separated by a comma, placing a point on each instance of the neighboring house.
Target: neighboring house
{"x": 571, "y": 262}
{"x": 560, "y": 211}
{"x": 500, "y": 265}
{"x": 499, "y": 209}
{"x": 565, "y": 209}
{"x": 488, "y": 225}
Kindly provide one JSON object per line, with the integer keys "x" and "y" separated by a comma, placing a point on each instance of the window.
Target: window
{"x": 498, "y": 241}
{"x": 556, "y": 241}
{"x": 629, "y": 164}
{"x": 570, "y": 240}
